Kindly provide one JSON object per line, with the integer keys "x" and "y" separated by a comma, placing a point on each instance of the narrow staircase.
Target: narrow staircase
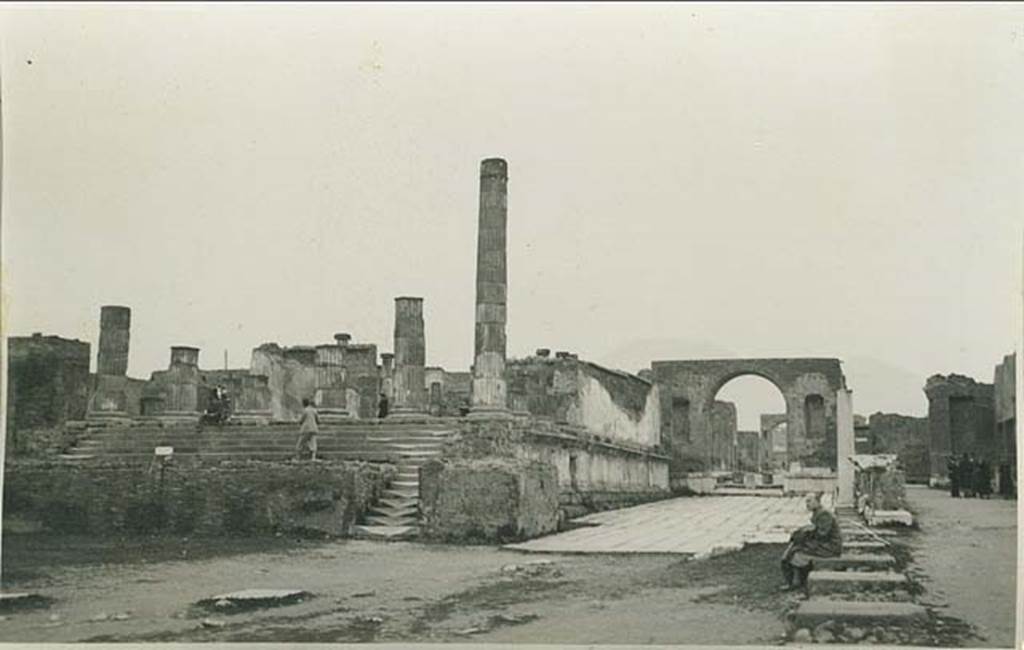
{"x": 396, "y": 514}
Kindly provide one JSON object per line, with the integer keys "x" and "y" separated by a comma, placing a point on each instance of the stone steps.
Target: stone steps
{"x": 385, "y": 533}
{"x": 814, "y": 612}
{"x": 855, "y": 562}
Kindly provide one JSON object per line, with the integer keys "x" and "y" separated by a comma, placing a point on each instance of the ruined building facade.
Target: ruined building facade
{"x": 966, "y": 416}
{"x": 48, "y": 383}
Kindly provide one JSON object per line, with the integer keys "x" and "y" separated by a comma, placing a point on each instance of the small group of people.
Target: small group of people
{"x": 822, "y": 538}
{"x": 969, "y": 477}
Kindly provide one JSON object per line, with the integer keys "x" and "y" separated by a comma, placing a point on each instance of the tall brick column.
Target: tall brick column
{"x": 410, "y": 358}
{"x": 115, "y": 328}
{"x": 489, "y": 395}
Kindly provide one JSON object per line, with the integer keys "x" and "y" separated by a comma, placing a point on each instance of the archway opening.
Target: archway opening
{"x": 749, "y": 426}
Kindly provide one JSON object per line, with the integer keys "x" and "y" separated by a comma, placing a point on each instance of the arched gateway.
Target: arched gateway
{"x": 688, "y": 389}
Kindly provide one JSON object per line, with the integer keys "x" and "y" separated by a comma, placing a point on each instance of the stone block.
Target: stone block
{"x": 839, "y": 582}
{"x": 488, "y": 500}
{"x": 816, "y": 611}
{"x": 857, "y": 561}
{"x": 889, "y": 518}
{"x": 863, "y": 546}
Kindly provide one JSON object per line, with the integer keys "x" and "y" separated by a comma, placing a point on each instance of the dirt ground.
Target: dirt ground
{"x": 965, "y": 555}
{"x": 368, "y": 591}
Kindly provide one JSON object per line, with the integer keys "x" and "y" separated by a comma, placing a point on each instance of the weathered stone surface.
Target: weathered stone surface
{"x": 890, "y": 518}
{"x": 855, "y": 561}
{"x": 834, "y": 582}
{"x": 115, "y": 329}
{"x": 817, "y": 611}
{"x": 488, "y": 500}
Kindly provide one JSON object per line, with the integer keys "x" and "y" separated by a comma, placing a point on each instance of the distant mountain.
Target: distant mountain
{"x": 881, "y": 386}
{"x": 636, "y": 355}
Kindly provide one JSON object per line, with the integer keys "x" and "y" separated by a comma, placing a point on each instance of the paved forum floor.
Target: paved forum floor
{"x": 692, "y": 526}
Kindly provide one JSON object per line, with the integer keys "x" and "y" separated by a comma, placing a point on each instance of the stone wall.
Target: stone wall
{"x": 1005, "y": 389}
{"x": 605, "y": 402}
{"x": 905, "y": 436}
{"x": 960, "y": 419}
{"x": 593, "y": 472}
{"x": 247, "y": 497}
{"x": 493, "y": 500}
{"x": 291, "y": 378}
{"x": 48, "y": 384}
{"x": 293, "y": 374}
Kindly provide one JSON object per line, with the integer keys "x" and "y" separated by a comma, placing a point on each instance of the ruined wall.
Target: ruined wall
{"x": 1005, "y": 388}
{"x": 723, "y": 426}
{"x": 248, "y": 497}
{"x": 448, "y": 393}
{"x": 749, "y": 451}
{"x": 906, "y": 437}
{"x": 960, "y": 419}
{"x": 362, "y": 376}
{"x": 592, "y": 472}
{"x": 291, "y": 377}
{"x": 48, "y": 381}
{"x": 775, "y": 440}
{"x": 610, "y": 403}
{"x": 688, "y": 389}
{"x": 47, "y": 384}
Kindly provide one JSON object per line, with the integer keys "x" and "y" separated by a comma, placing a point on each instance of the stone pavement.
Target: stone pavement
{"x": 696, "y": 526}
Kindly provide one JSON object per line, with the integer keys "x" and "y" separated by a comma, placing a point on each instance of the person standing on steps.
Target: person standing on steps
{"x": 820, "y": 539}
{"x": 309, "y": 426}
{"x": 382, "y": 406}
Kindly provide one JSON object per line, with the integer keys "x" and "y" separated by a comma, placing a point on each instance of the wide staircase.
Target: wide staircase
{"x": 406, "y": 445}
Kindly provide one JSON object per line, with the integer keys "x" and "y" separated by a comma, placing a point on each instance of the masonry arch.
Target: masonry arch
{"x": 738, "y": 443}
{"x": 808, "y": 386}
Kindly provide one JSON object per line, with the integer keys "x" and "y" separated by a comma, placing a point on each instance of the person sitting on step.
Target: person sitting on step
{"x": 820, "y": 539}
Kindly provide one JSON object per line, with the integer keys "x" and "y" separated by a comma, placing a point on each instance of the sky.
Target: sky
{"x": 686, "y": 181}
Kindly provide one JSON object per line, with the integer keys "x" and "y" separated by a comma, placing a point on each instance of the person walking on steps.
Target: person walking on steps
{"x": 820, "y": 539}
{"x": 309, "y": 426}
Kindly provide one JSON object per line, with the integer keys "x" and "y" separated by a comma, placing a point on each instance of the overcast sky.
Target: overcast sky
{"x": 685, "y": 180}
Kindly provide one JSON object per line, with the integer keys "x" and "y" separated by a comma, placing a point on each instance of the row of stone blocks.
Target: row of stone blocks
{"x": 855, "y": 592}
